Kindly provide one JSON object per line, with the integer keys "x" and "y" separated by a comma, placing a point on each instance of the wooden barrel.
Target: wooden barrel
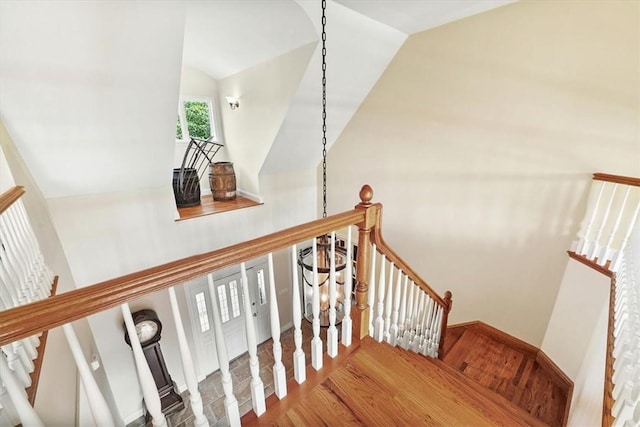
{"x": 186, "y": 187}
{"x": 222, "y": 180}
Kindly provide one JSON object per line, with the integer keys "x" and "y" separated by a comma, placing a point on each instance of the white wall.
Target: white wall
{"x": 264, "y": 93}
{"x": 89, "y": 91}
{"x": 480, "y": 139}
{"x": 583, "y": 295}
{"x": 588, "y": 385}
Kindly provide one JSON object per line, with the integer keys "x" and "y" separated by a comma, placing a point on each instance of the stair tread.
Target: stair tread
{"x": 381, "y": 385}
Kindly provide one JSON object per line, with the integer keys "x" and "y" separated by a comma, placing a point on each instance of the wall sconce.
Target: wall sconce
{"x": 233, "y": 102}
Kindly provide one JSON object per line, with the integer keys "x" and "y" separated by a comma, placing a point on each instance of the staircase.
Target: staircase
{"x": 380, "y": 385}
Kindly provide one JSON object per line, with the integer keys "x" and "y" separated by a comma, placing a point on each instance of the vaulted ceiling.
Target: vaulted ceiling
{"x": 89, "y": 89}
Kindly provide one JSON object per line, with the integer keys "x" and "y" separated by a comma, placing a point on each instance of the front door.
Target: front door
{"x": 229, "y": 298}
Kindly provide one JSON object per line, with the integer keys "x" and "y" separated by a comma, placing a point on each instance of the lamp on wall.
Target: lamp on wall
{"x": 233, "y": 102}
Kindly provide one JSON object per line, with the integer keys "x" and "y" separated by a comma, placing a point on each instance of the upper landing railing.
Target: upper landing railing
{"x": 610, "y": 243}
{"x": 407, "y": 311}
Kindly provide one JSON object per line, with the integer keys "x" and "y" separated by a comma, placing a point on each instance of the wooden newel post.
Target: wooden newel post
{"x": 443, "y": 325}
{"x": 361, "y": 315}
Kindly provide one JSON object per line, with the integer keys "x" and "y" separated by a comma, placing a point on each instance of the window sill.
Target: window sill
{"x": 208, "y": 206}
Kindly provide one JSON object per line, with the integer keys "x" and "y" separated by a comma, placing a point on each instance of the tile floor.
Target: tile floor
{"x": 211, "y": 387}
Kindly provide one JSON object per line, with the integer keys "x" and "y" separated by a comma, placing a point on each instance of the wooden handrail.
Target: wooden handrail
{"x": 619, "y": 179}
{"x": 9, "y": 197}
{"x": 24, "y": 321}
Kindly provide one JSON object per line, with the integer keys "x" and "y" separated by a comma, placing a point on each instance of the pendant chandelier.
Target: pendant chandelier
{"x": 323, "y": 243}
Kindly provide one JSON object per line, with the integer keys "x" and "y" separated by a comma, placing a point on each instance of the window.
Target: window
{"x": 195, "y": 120}
{"x": 202, "y": 312}
{"x": 224, "y": 304}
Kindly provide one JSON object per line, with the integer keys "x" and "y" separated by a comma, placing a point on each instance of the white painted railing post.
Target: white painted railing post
{"x": 230, "y": 401}
{"x": 148, "y": 385}
{"x": 347, "y": 325}
{"x": 403, "y": 312}
{"x": 257, "y": 387}
{"x": 299, "y": 368}
{"x": 332, "y": 332}
{"x": 279, "y": 374}
{"x": 316, "y": 342}
{"x": 595, "y": 250}
{"x": 18, "y": 396}
{"x": 99, "y": 408}
{"x": 371, "y": 299}
{"x": 388, "y": 304}
{"x": 604, "y": 255}
{"x": 187, "y": 364}
{"x": 379, "y": 324}
{"x": 617, "y": 259}
{"x": 393, "y": 332}
{"x": 584, "y": 243}
{"x": 408, "y": 328}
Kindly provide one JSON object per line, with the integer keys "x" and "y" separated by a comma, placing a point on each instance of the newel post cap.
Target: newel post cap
{"x": 366, "y": 194}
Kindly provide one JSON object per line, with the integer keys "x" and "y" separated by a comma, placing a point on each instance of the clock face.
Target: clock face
{"x": 146, "y": 330}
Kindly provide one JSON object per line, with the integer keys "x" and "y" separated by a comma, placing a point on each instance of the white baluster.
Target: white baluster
{"x": 403, "y": 311}
{"x": 187, "y": 364}
{"x": 316, "y": 342}
{"x": 332, "y": 332}
{"x": 388, "y": 304}
{"x": 299, "y": 368}
{"x": 34, "y": 242}
{"x": 279, "y": 375}
{"x": 393, "y": 331}
{"x": 347, "y": 328}
{"x": 149, "y": 390}
{"x": 379, "y": 324}
{"x": 26, "y": 253}
{"x": 230, "y": 401}
{"x": 409, "y": 317}
{"x": 422, "y": 312}
{"x": 584, "y": 243}
{"x": 99, "y": 408}
{"x": 414, "y": 317}
{"x": 371, "y": 299}
{"x": 17, "y": 364}
{"x": 596, "y": 241}
{"x": 8, "y": 414}
{"x": 605, "y": 254}
{"x": 257, "y": 387}
{"x": 426, "y": 321}
{"x": 617, "y": 259}
{"x": 18, "y": 396}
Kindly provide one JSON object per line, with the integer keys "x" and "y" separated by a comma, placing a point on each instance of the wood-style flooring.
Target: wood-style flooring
{"x": 510, "y": 372}
{"x": 379, "y": 385}
{"x": 208, "y": 206}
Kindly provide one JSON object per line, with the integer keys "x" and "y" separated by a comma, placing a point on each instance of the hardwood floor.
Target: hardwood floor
{"x": 378, "y": 385}
{"x": 510, "y": 372}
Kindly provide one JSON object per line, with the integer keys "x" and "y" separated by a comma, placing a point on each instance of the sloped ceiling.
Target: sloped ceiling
{"x": 88, "y": 90}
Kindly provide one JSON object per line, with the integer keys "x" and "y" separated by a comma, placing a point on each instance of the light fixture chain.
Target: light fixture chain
{"x": 324, "y": 110}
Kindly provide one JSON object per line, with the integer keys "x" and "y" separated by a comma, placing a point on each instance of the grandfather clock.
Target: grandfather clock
{"x": 148, "y": 328}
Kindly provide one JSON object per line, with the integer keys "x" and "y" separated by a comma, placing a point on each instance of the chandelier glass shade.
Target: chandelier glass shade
{"x": 323, "y": 254}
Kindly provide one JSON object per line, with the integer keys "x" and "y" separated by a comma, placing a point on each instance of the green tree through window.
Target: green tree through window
{"x": 197, "y": 115}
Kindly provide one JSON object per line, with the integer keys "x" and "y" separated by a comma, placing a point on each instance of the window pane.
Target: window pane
{"x": 202, "y": 312}
{"x": 235, "y": 301}
{"x": 262, "y": 292}
{"x": 224, "y": 304}
{"x": 198, "y": 119}
{"x": 178, "y": 129}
